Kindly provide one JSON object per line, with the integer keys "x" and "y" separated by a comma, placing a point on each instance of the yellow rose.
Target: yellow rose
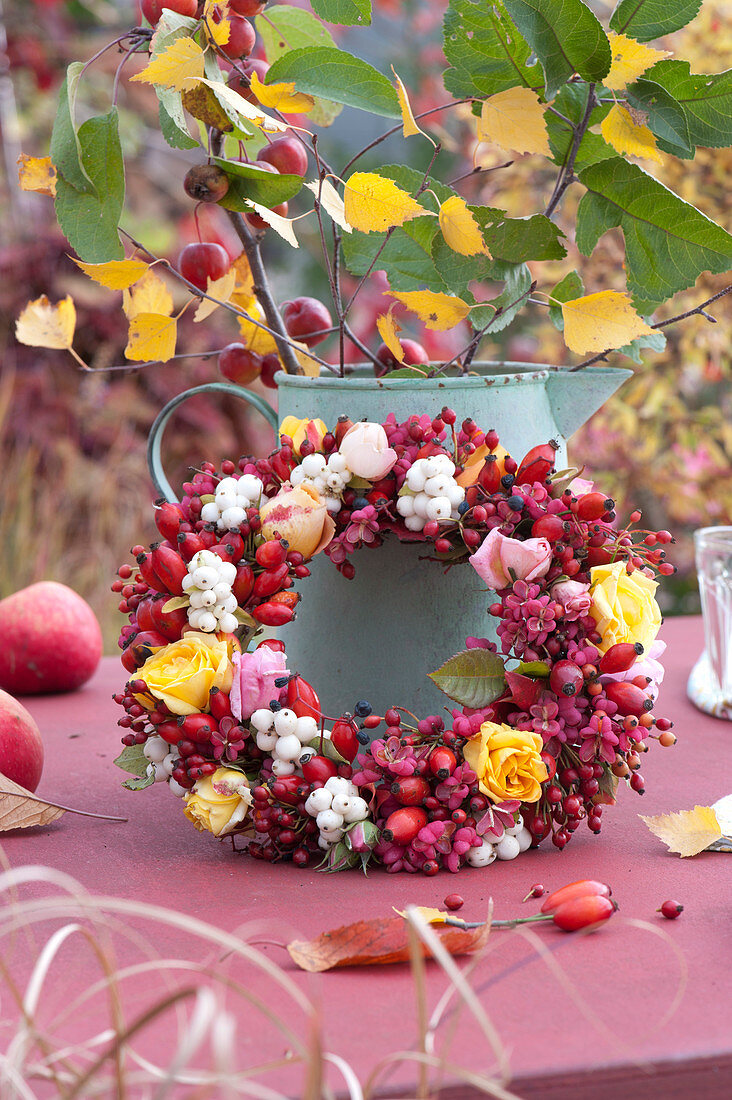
{"x": 219, "y": 802}
{"x": 507, "y": 762}
{"x": 300, "y": 430}
{"x": 623, "y": 605}
{"x": 183, "y": 673}
{"x": 299, "y": 515}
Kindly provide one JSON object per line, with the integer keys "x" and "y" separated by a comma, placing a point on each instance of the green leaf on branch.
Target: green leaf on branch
{"x": 89, "y": 217}
{"x": 473, "y": 678}
{"x": 65, "y": 149}
{"x": 566, "y": 37}
{"x": 502, "y": 310}
{"x": 132, "y": 759}
{"x": 247, "y": 182}
{"x": 337, "y": 75}
{"x": 571, "y": 101}
{"x": 566, "y": 290}
{"x": 348, "y": 13}
{"x": 655, "y": 341}
{"x": 706, "y": 99}
{"x": 519, "y": 239}
{"x": 668, "y": 242}
{"x": 647, "y": 19}
{"x": 172, "y": 126}
{"x": 286, "y": 28}
{"x": 486, "y": 52}
{"x": 666, "y": 117}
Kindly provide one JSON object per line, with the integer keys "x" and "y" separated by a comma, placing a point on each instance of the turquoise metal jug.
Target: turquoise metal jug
{"x": 377, "y": 636}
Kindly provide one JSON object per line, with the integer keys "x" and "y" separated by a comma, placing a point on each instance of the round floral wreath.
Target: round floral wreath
{"x": 242, "y": 740}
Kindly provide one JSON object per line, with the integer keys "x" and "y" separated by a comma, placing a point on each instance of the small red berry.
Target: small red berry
{"x": 454, "y": 901}
{"x": 671, "y": 909}
{"x": 536, "y": 891}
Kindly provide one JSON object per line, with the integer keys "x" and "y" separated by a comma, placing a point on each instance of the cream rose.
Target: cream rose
{"x": 623, "y": 606}
{"x": 300, "y": 516}
{"x": 219, "y": 802}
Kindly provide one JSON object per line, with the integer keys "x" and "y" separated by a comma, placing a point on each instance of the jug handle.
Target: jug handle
{"x": 155, "y": 438}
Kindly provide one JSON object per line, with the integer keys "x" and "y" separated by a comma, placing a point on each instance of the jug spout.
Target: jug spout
{"x": 574, "y": 397}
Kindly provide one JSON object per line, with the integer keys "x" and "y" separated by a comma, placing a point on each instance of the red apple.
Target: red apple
{"x": 242, "y": 38}
{"x": 239, "y": 365}
{"x": 304, "y": 317}
{"x": 153, "y": 9}
{"x": 247, "y": 7}
{"x": 258, "y": 222}
{"x": 21, "y": 747}
{"x": 51, "y": 640}
{"x": 287, "y": 155}
{"x": 413, "y": 353}
{"x": 201, "y": 261}
{"x": 241, "y": 85}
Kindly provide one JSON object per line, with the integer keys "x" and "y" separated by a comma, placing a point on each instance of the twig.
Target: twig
{"x": 264, "y": 294}
{"x": 57, "y": 805}
{"x": 566, "y": 173}
{"x": 477, "y": 171}
{"x": 700, "y": 309}
{"x": 395, "y": 129}
{"x": 471, "y": 348}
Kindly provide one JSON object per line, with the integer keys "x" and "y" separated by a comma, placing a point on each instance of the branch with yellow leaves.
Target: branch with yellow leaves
{"x": 699, "y": 310}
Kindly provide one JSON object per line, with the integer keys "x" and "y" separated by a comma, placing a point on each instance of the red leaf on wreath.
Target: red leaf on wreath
{"x": 378, "y": 942}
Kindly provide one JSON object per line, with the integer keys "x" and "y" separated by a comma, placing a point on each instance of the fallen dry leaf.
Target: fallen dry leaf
{"x": 687, "y": 832}
{"x": 377, "y": 943}
{"x": 19, "y": 808}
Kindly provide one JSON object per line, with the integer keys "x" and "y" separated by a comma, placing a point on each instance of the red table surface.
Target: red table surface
{"x": 615, "y": 1042}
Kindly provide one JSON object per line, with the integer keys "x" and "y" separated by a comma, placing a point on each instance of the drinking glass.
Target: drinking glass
{"x": 710, "y": 683}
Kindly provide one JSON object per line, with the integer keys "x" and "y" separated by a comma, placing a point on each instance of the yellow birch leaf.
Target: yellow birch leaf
{"x": 243, "y": 108}
{"x": 282, "y": 97}
{"x": 243, "y": 291}
{"x": 374, "y": 203}
{"x": 409, "y": 123}
{"x": 178, "y": 67}
{"x": 310, "y": 366}
{"x": 460, "y": 229}
{"x": 218, "y": 33}
{"x": 255, "y": 338}
{"x": 221, "y": 289}
{"x": 514, "y": 119}
{"x": 431, "y": 916}
{"x": 388, "y": 329}
{"x": 283, "y": 226}
{"x": 687, "y": 832}
{"x": 626, "y": 135}
{"x": 42, "y": 325}
{"x": 36, "y": 174}
{"x": 599, "y": 322}
{"x": 149, "y": 295}
{"x": 630, "y": 59}
{"x": 331, "y": 202}
{"x": 115, "y": 274}
{"x": 438, "y": 311}
{"x": 151, "y": 337}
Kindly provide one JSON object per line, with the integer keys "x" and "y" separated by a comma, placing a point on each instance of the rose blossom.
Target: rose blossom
{"x": 366, "y": 450}
{"x": 254, "y": 676}
{"x": 500, "y": 560}
{"x": 574, "y": 597}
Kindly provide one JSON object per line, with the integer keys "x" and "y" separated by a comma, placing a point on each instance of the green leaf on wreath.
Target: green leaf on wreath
{"x": 668, "y": 243}
{"x": 175, "y": 603}
{"x": 486, "y": 52}
{"x": 89, "y": 216}
{"x": 647, "y": 19}
{"x": 473, "y": 678}
{"x": 566, "y": 37}
{"x": 248, "y": 182}
{"x": 666, "y": 118}
{"x": 533, "y": 668}
{"x": 568, "y": 288}
{"x": 325, "y": 747}
{"x": 337, "y": 75}
{"x": 138, "y": 783}
{"x": 132, "y": 759}
{"x": 705, "y": 98}
{"x": 348, "y": 13}
{"x": 285, "y": 28}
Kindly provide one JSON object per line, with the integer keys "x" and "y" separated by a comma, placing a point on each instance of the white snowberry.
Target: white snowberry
{"x": 285, "y": 722}
{"x": 341, "y": 804}
{"x": 318, "y": 801}
{"x": 155, "y": 749}
{"x": 337, "y": 785}
{"x": 287, "y": 748}
{"x": 176, "y": 788}
{"x": 517, "y": 826}
{"x": 329, "y": 819}
{"x": 262, "y": 720}
{"x": 483, "y": 856}
{"x": 266, "y": 741}
{"x": 358, "y": 809}
{"x": 306, "y": 728}
{"x": 508, "y": 847}
{"x": 169, "y": 762}
{"x": 524, "y": 838}
{"x": 332, "y": 836}
{"x": 282, "y": 767}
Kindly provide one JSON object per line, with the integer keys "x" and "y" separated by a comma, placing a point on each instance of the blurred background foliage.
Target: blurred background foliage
{"x": 76, "y": 494}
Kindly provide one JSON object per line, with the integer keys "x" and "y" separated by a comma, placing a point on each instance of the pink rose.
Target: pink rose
{"x": 367, "y": 452}
{"x": 574, "y": 597}
{"x": 580, "y": 486}
{"x": 254, "y": 680}
{"x": 500, "y": 560}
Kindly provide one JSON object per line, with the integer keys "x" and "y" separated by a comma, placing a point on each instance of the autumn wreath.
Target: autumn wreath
{"x": 549, "y": 719}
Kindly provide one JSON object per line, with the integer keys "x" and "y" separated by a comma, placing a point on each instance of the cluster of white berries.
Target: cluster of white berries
{"x": 430, "y": 492}
{"x": 515, "y": 840}
{"x": 329, "y": 476}
{"x": 232, "y": 498}
{"x": 282, "y": 734}
{"x": 208, "y": 587}
{"x": 334, "y": 807}
{"x": 162, "y": 762}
